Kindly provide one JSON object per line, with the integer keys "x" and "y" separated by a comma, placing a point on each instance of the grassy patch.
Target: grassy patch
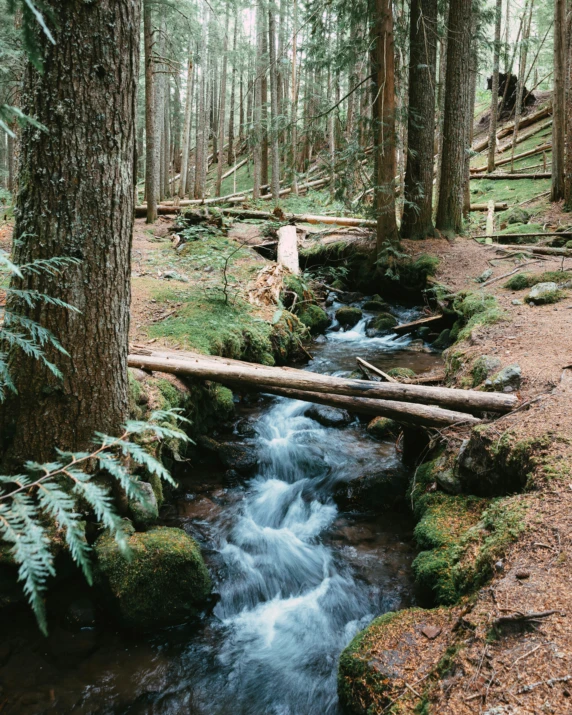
{"x": 520, "y": 281}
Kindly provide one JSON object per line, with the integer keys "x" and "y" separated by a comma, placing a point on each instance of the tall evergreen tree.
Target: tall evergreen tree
{"x": 76, "y": 202}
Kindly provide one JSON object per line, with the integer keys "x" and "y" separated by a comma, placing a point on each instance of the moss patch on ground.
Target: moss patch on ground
{"x": 520, "y": 281}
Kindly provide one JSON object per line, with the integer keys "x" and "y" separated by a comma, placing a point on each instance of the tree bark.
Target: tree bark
{"x": 87, "y": 213}
{"x": 294, "y": 101}
{"x": 257, "y": 124}
{"x": 264, "y": 99}
{"x": 417, "y": 221}
{"x": 495, "y": 89}
{"x": 568, "y": 166}
{"x": 559, "y": 105}
{"x": 150, "y": 150}
{"x": 231, "y": 148}
{"x": 457, "y": 104}
{"x": 383, "y": 121}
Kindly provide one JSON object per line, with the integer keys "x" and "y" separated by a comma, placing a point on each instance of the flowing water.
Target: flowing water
{"x": 296, "y": 576}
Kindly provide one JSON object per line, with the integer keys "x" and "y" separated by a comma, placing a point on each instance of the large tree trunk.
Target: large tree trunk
{"x": 457, "y": 104}
{"x": 257, "y": 123}
{"x": 264, "y": 99}
{"x": 231, "y": 149}
{"x": 559, "y": 118}
{"x": 76, "y": 201}
{"x": 294, "y": 101}
{"x": 417, "y": 219}
{"x": 568, "y": 165}
{"x": 495, "y": 90}
{"x": 150, "y": 151}
{"x": 383, "y": 120}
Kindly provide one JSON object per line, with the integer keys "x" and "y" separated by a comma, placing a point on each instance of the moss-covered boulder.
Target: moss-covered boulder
{"x": 163, "y": 581}
{"x": 382, "y": 427}
{"x": 517, "y": 215}
{"x": 348, "y": 316}
{"x": 443, "y": 341}
{"x": 145, "y": 513}
{"x": 506, "y": 380}
{"x": 382, "y": 324}
{"x": 315, "y": 319}
{"x": 545, "y": 293}
{"x": 376, "y": 305}
{"x": 376, "y": 667}
{"x": 483, "y": 367}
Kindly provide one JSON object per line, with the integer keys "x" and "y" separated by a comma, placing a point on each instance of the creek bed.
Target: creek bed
{"x": 296, "y": 576}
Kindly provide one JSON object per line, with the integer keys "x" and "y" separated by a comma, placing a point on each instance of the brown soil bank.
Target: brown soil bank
{"x": 495, "y": 521}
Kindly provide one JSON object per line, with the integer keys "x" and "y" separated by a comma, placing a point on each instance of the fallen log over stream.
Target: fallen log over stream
{"x": 403, "y": 412}
{"x": 249, "y": 374}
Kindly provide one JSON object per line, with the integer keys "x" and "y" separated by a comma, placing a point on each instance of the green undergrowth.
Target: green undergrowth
{"x": 513, "y": 191}
{"x": 461, "y": 536}
{"x": 474, "y": 310}
{"x": 520, "y": 281}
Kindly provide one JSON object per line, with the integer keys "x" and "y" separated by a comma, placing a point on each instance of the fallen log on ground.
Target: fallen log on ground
{"x": 526, "y": 235}
{"x": 499, "y": 206}
{"x": 250, "y": 374}
{"x": 509, "y": 128}
{"x": 503, "y": 177}
{"x": 524, "y": 136}
{"x": 517, "y": 157}
{"x": 408, "y": 327}
{"x": 541, "y": 250}
{"x": 403, "y": 412}
{"x": 236, "y": 167}
{"x": 141, "y": 211}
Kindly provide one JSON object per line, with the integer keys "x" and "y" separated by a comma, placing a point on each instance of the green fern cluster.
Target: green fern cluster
{"x": 49, "y": 495}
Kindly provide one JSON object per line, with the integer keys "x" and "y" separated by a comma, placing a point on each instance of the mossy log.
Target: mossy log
{"x": 249, "y": 374}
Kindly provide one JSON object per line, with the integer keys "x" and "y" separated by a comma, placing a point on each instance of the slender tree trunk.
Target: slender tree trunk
{"x": 521, "y": 74}
{"x": 568, "y": 167}
{"x": 275, "y": 187}
{"x": 257, "y": 133}
{"x": 383, "y": 121}
{"x": 558, "y": 102}
{"x": 166, "y": 136}
{"x": 150, "y": 134}
{"x": 222, "y": 108}
{"x": 187, "y": 126}
{"x": 457, "y": 105}
{"x": 231, "y": 151}
{"x": 294, "y": 101}
{"x": 471, "y": 116}
{"x": 441, "y": 101}
{"x": 11, "y": 163}
{"x": 264, "y": 101}
{"x": 241, "y": 109}
{"x": 495, "y": 89}
{"x": 417, "y": 219}
{"x": 86, "y": 214}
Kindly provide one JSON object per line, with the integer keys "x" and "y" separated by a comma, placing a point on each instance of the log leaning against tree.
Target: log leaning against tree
{"x": 249, "y": 374}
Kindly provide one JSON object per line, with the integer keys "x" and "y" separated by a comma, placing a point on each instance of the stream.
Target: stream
{"x": 296, "y": 576}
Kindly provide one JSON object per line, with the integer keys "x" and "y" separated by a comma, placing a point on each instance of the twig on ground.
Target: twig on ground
{"x": 519, "y": 617}
{"x": 550, "y": 682}
{"x": 506, "y": 275}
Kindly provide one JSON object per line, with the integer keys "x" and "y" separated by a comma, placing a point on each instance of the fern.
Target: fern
{"x": 48, "y": 497}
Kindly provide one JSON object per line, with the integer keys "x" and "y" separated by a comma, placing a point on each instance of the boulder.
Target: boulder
{"x": 315, "y": 319}
{"x": 517, "y": 215}
{"x": 376, "y": 306}
{"x": 382, "y": 324}
{"x": 382, "y": 427}
{"x": 241, "y": 457}
{"x": 163, "y": 580}
{"x": 443, "y": 341}
{"x": 506, "y": 380}
{"x": 383, "y": 489}
{"x": 401, "y": 373}
{"x": 144, "y": 513}
{"x": 348, "y": 316}
{"x": 347, "y": 296}
{"x": 328, "y": 416}
{"x": 484, "y": 276}
{"x": 484, "y": 367}
{"x": 374, "y": 666}
{"x": 544, "y": 293}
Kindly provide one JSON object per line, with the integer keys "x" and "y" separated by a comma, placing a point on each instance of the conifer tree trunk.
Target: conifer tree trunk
{"x": 166, "y": 136}
{"x": 294, "y": 101}
{"x": 222, "y": 108}
{"x": 441, "y": 101}
{"x": 495, "y": 89}
{"x": 86, "y": 214}
{"x": 417, "y": 219}
{"x": 150, "y": 137}
{"x": 457, "y": 106}
{"x": 383, "y": 121}
{"x": 264, "y": 101}
{"x": 232, "y": 95}
{"x": 187, "y": 126}
{"x": 558, "y": 102}
{"x": 568, "y": 163}
{"x": 275, "y": 187}
{"x": 257, "y": 133}
{"x": 11, "y": 163}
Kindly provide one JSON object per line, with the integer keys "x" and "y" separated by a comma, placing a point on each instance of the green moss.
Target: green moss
{"x": 157, "y": 485}
{"x": 520, "y": 281}
{"x": 382, "y": 427}
{"x": 401, "y": 372}
{"x": 548, "y": 297}
{"x": 476, "y": 309}
{"x": 484, "y": 366}
{"x": 314, "y": 318}
{"x": 163, "y": 581}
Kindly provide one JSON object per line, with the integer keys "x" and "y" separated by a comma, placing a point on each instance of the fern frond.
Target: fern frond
{"x": 32, "y": 297}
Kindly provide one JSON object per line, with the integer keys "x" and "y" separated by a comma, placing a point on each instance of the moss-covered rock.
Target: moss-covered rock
{"x": 382, "y": 324}
{"x": 382, "y": 427}
{"x": 379, "y": 490}
{"x": 376, "y": 305}
{"x": 164, "y": 581}
{"x": 506, "y": 380}
{"x": 403, "y": 373}
{"x": 483, "y": 367}
{"x": 145, "y": 513}
{"x": 314, "y": 318}
{"x": 545, "y": 293}
{"x": 348, "y": 316}
{"x": 443, "y": 341}
{"x": 517, "y": 215}
{"x": 377, "y": 664}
